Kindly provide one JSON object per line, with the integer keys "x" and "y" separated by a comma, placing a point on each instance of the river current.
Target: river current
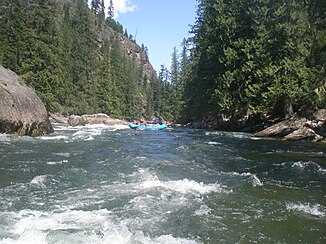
{"x": 101, "y": 184}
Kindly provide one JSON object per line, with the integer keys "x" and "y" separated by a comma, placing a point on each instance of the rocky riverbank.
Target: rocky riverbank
{"x": 296, "y": 128}
{"x": 293, "y": 129}
{"x": 86, "y": 119}
{"x": 21, "y": 111}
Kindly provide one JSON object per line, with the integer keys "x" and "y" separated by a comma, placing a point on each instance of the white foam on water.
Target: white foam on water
{"x": 182, "y": 147}
{"x": 299, "y": 165}
{"x": 57, "y": 162}
{"x": 240, "y": 135}
{"x": 89, "y": 132}
{"x": 214, "y": 143}
{"x": 32, "y": 236}
{"x": 304, "y": 166}
{"x": 39, "y": 180}
{"x": 145, "y": 180}
{"x": 42, "y": 221}
{"x": 103, "y": 127}
{"x": 5, "y": 138}
{"x": 118, "y": 127}
{"x": 78, "y": 227}
{"x": 66, "y": 155}
{"x": 254, "y": 138}
{"x": 315, "y": 210}
{"x": 256, "y": 181}
{"x": 207, "y": 133}
{"x": 185, "y": 186}
{"x": 203, "y": 210}
{"x": 254, "y": 178}
{"x": 85, "y": 135}
{"x": 58, "y": 137}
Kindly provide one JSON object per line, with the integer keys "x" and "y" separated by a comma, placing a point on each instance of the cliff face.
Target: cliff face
{"x": 21, "y": 110}
{"x": 133, "y": 50}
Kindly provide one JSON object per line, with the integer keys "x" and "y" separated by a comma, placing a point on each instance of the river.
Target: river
{"x": 101, "y": 184}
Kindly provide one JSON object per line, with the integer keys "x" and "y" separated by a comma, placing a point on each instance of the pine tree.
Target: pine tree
{"x": 13, "y": 34}
{"x": 73, "y": 69}
{"x": 96, "y": 6}
{"x": 250, "y": 55}
{"x": 111, "y": 10}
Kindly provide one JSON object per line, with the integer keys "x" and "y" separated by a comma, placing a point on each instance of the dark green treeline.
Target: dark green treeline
{"x": 59, "y": 49}
{"x": 250, "y": 57}
{"x": 245, "y": 57}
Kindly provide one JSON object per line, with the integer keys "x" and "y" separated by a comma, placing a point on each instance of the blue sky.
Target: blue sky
{"x": 160, "y": 25}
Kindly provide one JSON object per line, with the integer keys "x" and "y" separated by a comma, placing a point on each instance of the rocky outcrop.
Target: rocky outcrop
{"x": 58, "y": 118}
{"x": 303, "y": 133}
{"x": 21, "y": 111}
{"x": 295, "y": 129}
{"x": 75, "y": 120}
{"x": 283, "y": 128}
{"x": 134, "y": 51}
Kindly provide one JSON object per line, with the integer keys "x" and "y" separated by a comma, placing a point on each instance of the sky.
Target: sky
{"x": 160, "y": 25}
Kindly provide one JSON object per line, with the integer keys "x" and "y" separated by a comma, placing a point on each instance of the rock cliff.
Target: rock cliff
{"x": 133, "y": 50}
{"x": 21, "y": 111}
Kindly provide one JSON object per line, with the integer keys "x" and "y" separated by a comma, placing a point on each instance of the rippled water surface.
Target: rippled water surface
{"x": 99, "y": 184}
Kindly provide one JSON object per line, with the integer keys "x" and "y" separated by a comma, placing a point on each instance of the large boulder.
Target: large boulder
{"x": 75, "y": 120}
{"x": 21, "y": 111}
{"x": 295, "y": 129}
{"x": 283, "y": 128}
{"x": 303, "y": 133}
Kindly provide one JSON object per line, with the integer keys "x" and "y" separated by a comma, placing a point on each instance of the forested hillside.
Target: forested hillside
{"x": 77, "y": 61}
{"x": 245, "y": 58}
{"x": 251, "y": 58}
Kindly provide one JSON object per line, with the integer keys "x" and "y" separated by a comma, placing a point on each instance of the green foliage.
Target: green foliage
{"x": 253, "y": 54}
{"x": 58, "y": 49}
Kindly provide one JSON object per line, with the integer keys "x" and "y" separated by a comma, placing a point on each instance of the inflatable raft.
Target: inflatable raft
{"x": 147, "y": 126}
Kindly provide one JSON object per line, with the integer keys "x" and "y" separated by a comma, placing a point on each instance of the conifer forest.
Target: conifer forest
{"x": 244, "y": 57}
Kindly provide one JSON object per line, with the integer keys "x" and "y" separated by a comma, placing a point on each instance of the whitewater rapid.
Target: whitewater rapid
{"x": 110, "y": 184}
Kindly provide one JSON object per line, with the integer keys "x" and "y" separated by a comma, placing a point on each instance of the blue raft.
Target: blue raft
{"x": 147, "y": 126}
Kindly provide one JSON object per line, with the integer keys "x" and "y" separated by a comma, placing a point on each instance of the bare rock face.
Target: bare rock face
{"x": 75, "y": 120}
{"x": 21, "y": 111}
{"x": 133, "y": 51}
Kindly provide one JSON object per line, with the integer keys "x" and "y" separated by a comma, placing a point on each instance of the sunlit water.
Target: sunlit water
{"x": 99, "y": 184}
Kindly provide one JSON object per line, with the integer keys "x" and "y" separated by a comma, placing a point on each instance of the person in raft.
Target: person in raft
{"x": 142, "y": 120}
{"x": 154, "y": 121}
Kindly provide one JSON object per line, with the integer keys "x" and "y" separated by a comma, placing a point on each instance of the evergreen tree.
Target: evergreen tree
{"x": 176, "y": 95}
{"x": 64, "y": 55}
{"x": 96, "y": 6}
{"x": 250, "y": 56}
{"x": 111, "y": 10}
{"x": 184, "y": 76}
{"x": 13, "y": 33}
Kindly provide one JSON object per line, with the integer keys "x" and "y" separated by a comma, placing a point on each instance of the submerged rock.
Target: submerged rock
{"x": 75, "y": 120}
{"x": 21, "y": 111}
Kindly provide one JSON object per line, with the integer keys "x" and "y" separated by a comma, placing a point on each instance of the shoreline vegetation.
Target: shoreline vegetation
{"x": 295, "y": 128}
{"x": 253, "y": 66}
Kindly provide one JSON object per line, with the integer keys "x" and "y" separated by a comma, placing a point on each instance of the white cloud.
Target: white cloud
{"x": 120, "y": 7}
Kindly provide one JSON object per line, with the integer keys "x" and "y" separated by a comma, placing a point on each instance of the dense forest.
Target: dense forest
{"x": 64, "y": 51}
{"x": 251, "y": 58}
{"x": 244, "y": 58}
